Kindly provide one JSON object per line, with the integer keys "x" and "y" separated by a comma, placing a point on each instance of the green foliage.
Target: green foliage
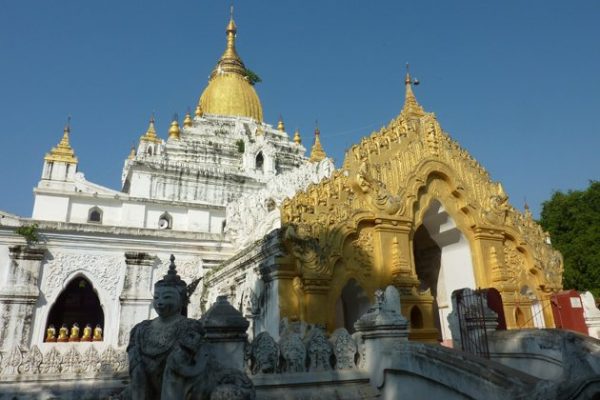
{"x": 29, "y": 232}
{"x": 240, "y": 146}
{"x": 252, "y": 77}
{"x": 573, "y": 220}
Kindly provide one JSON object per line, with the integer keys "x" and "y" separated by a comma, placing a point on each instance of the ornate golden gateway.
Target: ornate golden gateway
{"x": 360, "y": 223}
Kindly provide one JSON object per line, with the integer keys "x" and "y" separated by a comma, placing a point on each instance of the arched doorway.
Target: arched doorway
{"x": 260, "y": 161}
{"x": 351, "y": 305}
{"x": 78, "y": 303}
{"x": 442, "y": 261}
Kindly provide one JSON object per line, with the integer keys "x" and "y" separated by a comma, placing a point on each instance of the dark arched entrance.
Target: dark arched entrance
{"x": 78, "y": 303}
{"x": 442, "y": 262}
{"x": 428, "y": 256}
{"x": 351, "y": 305}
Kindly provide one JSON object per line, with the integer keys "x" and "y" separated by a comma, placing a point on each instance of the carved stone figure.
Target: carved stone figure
{"x": 169, "y": 358}
{"x": 293, "y": 352}
{"x": 51, "y": 363}
{"x": 319, "y": 350}
{"x": 71, "y": 361}
{"x": 152, "y": 341}
{"x": 12, "y": 362}
{"x": 109, "y": 360}
{"x": 31, "y": 361}
{"x": 264, "y": 354}
{"x": 344, "y": 349}
{"x": 90, "y": 361}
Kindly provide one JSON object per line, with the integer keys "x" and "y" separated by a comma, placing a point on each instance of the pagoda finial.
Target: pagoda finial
{"x": 150, "y": 135}
{"x": 411, "y": 106}
{"x": 187, "y": 120}
{"x": 317, "y": 153}
{"x": 131, "y": 153}
{"x": 174, "y": 131}
{"x": 230, "y": 61}
{"x": 280, "y": 124}
{"x": 231, "y": 30}
{"x": 63, "y": 152}
{"x": 297, "y": 138}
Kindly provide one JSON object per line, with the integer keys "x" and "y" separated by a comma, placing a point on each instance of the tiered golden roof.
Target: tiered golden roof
{"x": 174, "y": 131}
{"x": 317, "y": 153}
{"x": 63, "y": 152}
{"x": 150, "y": 135}
{"x": 359, "y": 224}
{"x": 229, "y": 91}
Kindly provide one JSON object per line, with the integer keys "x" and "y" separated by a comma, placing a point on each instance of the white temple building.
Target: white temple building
{"x": 202, "y": 194}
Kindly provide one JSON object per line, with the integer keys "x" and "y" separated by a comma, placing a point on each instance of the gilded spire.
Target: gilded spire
{"x": 150, "y": 135}
{"x": 411, "y": 106}
{"x": 317, "y": 153}
{"x": 230, "y": 89}
{"x": 187, "y": 121}
{"x": 297, "y": 138}
{"x": 63, "y": 152}
{"x": 280, "y": 125}
{"x": 230, "y": 60}
{"x": 174, "y": 131}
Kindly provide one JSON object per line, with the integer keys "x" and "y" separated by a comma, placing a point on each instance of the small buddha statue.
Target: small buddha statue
{"x": 87, "y": 333}
{"x": 74, "y": 333}
{"x": 63, "y": 334}
{"x": 97, "y": 333}
{"x": 50, "y": 334}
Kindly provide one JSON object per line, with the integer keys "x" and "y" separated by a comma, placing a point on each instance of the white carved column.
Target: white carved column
{"x": 136, "y": 297}
{"x": 18, "y": 295}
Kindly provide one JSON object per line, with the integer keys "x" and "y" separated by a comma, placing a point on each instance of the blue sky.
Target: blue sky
{"x": 516, "y": 83}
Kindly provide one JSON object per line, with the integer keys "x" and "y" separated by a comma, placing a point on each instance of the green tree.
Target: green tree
{"x": 573, "y": 220}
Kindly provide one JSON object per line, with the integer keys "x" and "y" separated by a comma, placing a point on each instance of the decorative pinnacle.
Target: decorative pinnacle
{"x": 231, "y": 26}
{"x": 317, "y": 153}
{"x": 411, "y": 106}
{"x": 150, "y": 135}
{"x": 297, "y": 138}
{"x": 230, "y": 61}
{"x": 280, "y": 124}
{"x": 174, "y": 131}
{"x": 187, "y": 121}
{"x": 172, "y": 265}
{"x": 63, "y": 152}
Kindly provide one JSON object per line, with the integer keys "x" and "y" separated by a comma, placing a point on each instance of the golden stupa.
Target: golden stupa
{"x": 229, "y": 91}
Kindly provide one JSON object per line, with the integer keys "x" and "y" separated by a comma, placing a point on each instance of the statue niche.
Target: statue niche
{"x": 169, "y": 357}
